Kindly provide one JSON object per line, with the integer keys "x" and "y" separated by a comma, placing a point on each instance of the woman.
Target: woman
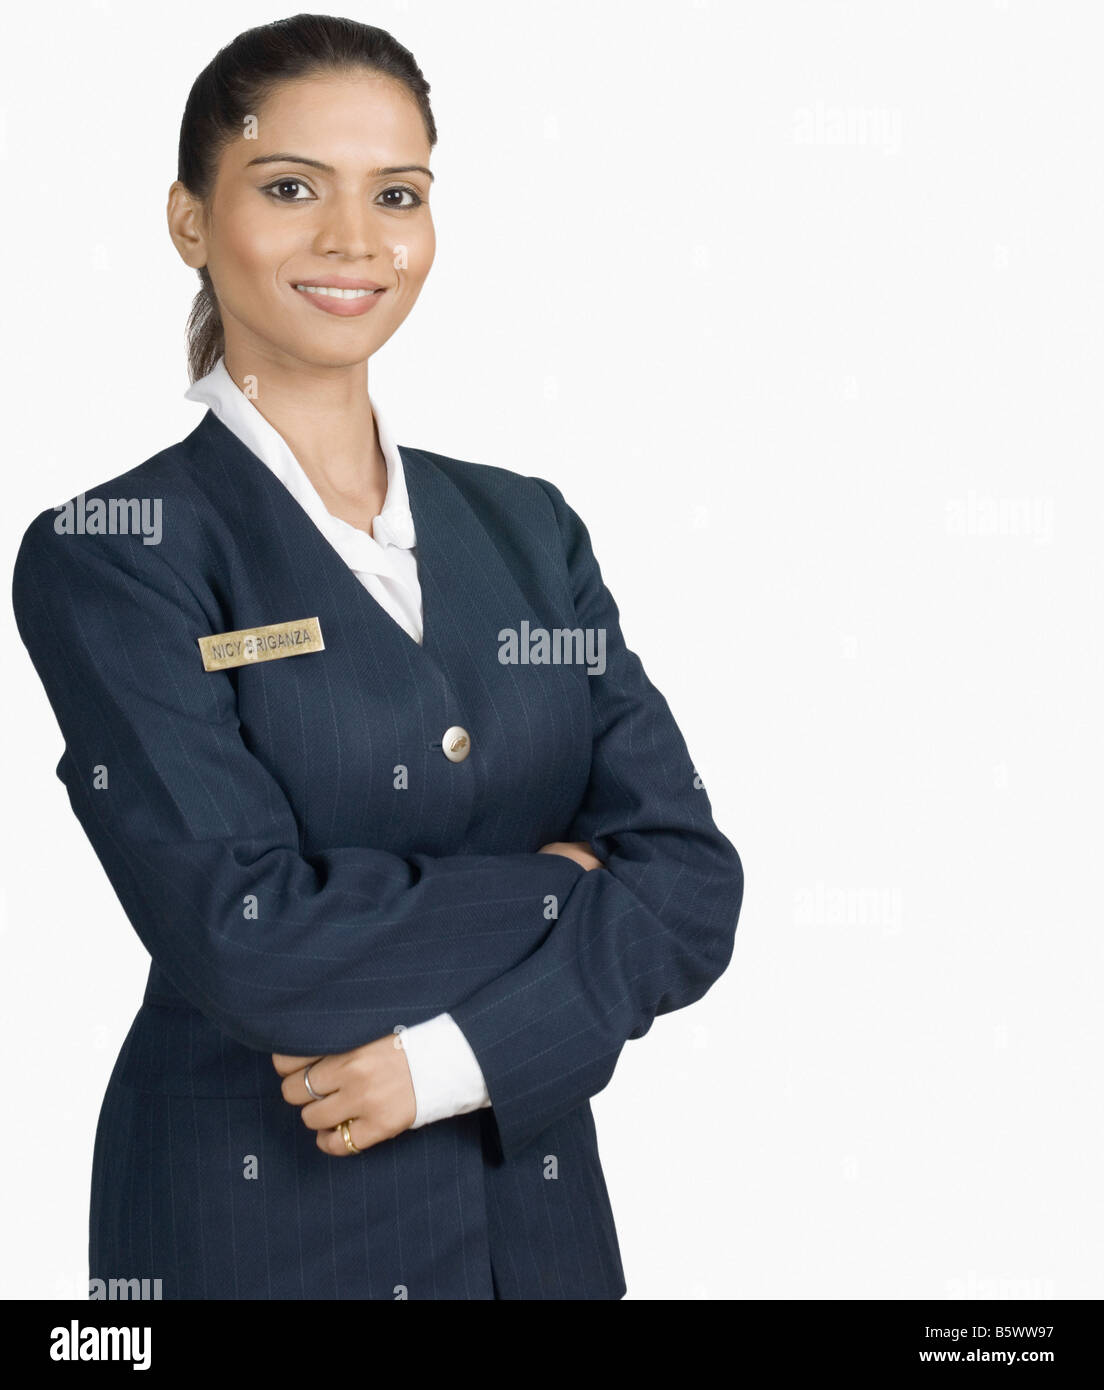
{"x": 412, "y": 841}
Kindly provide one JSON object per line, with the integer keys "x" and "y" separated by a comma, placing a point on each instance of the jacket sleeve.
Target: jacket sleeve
{"x": 338, "y": 947}
{"x": 647, "y": 933}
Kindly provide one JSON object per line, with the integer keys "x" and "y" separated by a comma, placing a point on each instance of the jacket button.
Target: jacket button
{"x": 456, "y": 744}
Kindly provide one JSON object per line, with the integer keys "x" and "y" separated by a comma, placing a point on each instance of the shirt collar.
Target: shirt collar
{"x": 393, "y": 527}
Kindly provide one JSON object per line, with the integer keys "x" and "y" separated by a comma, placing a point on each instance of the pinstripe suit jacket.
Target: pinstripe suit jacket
{"x": 387, "y": 883}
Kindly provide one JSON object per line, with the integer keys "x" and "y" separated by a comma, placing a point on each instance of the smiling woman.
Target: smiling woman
{"x": 405, "y": 900}
{"x": 309, "y": 203}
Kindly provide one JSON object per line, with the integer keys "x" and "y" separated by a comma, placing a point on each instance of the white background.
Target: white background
{"x": 791, "y": 300}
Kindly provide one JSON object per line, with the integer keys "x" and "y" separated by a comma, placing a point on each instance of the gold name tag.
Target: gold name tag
{"x": 250, "y": 644}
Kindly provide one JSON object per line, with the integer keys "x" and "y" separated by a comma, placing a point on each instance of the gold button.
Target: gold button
{"x": 456, "y": 744}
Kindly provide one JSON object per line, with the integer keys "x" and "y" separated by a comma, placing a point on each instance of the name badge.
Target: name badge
{"x": 252, "y": 644}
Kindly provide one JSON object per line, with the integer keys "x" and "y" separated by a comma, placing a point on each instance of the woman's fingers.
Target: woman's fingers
{"x": 323, "y": 1080}
{"x": 370, "y": 1087}
{"x": 326, "y": 1114}
{"x": 363, "y": 1132}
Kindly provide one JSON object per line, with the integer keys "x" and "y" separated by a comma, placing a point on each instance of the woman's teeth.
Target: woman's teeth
{"x": 337, "y": 294}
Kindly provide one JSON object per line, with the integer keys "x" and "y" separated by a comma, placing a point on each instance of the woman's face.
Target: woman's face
{"x": 330, "y": 189}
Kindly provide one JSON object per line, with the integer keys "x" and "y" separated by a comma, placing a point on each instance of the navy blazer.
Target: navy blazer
{"x": 308, "y": 871}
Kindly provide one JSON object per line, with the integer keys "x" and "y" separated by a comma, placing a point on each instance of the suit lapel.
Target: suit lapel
{"x": 469, "y": 592}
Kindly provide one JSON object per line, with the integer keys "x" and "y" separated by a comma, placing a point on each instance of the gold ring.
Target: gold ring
{"x": 344, "y": 1128}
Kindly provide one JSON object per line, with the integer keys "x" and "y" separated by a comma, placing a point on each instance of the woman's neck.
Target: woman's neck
{"x": 325, "y": 417}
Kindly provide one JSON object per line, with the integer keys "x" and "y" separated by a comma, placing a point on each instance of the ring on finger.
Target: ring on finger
{"x": 306, "y": 1082}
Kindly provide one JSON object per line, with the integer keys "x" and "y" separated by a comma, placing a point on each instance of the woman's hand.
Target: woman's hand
{"x": 369, "y": 1086}
{"x": 571, "y": 849}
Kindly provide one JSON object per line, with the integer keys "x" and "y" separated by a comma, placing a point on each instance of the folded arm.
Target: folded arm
{"x": 646, "y": 934}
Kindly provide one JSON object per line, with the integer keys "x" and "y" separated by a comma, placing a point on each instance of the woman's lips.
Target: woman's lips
{"x": 346, "y": 308}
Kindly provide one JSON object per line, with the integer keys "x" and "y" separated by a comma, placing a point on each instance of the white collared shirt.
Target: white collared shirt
{"x": 385, "y": 562}
{"x": 446, "y": 1075}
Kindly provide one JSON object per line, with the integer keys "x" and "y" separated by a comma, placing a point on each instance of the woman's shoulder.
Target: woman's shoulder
{"x": 488, "y": 487}
{"x": 122, "y": 520}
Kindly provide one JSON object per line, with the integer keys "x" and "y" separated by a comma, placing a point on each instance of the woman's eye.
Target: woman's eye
{"x": 286, "y": 183}
{"x": 392, "y": 197}
{"x": 412, "y": 193}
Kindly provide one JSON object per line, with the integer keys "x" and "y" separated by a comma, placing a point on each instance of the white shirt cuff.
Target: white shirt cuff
{"x": 447, "y": 1078}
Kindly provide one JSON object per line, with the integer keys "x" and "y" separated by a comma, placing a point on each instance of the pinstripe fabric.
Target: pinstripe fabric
{"x": 389, "y": 883}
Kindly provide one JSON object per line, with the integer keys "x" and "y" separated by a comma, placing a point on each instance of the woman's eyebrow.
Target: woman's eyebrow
{"x": 329, "y": 169}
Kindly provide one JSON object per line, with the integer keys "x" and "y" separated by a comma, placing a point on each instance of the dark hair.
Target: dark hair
{"x": 236, "y": 84}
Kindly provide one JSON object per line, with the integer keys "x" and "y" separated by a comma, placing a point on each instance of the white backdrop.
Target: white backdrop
{"x": 800, "y": 305}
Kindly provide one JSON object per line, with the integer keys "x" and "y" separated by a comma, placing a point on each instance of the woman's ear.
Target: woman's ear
{"x": 186, "y": 226}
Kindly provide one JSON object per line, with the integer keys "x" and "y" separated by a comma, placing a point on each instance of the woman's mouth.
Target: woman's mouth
{"x": 336, "y": 299}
